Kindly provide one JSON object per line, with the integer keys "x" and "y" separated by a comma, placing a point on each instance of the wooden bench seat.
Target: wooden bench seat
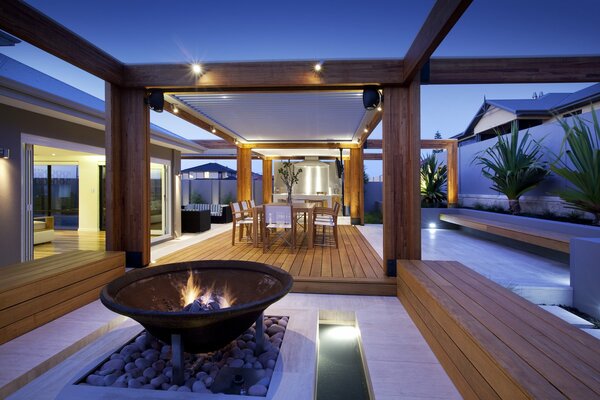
{"x": 493, "y": 343}
{"x": 539, "y": 237}
{"x": 36, "y": 292}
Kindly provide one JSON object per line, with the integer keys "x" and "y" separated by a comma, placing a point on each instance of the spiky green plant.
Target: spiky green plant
{"x": 513, "y": 165}
{"x": 582, "y": 148}
{"x": 434, "y": 177}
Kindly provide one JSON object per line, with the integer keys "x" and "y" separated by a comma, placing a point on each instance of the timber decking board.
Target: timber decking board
{"x": 519, "y": 348}
{"x": 538, "y": 237}
{"x": 350, "y": 269}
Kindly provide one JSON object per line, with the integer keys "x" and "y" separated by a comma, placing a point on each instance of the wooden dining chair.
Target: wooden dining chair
{"x": 277, "y": 217}
{"x": 242, "y": 220}
{"x": 327, "y": 217}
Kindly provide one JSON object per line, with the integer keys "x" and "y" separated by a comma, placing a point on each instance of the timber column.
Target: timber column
{"x": 357, "y": 186}
{"x": 128, "y": 174}
{"x": 267, "y": 180}
{"x": 401, "y": 184}
{"x": 244, "y": 174}
{"x": 452, "y": 163}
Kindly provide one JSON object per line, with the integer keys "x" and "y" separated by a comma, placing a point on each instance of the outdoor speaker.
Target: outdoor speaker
{"x": 371, "y": 97}
{"x": 156, "y": 100}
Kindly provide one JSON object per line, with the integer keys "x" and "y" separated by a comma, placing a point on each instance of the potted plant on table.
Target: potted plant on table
{"x": 289, "y": 176}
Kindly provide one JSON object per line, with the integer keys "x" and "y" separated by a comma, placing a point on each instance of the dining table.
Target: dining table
{"x": 297, "y": 208}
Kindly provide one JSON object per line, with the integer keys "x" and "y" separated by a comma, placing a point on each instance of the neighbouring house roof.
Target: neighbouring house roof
{"x": 215, "y": 167}
{"x": 210, "y": 167}
{"x": 545, "y": 106}
{"x": 24, "y": 87}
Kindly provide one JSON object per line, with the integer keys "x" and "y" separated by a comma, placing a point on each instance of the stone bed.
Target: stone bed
{"x": 145, "y": 363}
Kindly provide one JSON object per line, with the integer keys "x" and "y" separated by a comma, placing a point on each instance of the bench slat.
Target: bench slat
{"x": 40, "y": 303}
{"x": 539, "y": 237}
{"x": 560, "y": 366}
{"x": 491, "y": 356}
{"x": 59, "y": 279}
{"x": 573, "y": 339}
{"x": 466, "y": 377}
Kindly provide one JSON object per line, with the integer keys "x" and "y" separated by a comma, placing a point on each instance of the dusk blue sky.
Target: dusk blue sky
{"x": 136, "y": 31}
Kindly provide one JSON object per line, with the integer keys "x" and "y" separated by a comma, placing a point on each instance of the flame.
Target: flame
{"x": 190, "y": 292}
{"x": 193, "y": 291}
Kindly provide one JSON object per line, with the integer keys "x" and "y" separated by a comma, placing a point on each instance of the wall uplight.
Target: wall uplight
{"x": 196, "y": 69}
{"x": 4, "y": 153}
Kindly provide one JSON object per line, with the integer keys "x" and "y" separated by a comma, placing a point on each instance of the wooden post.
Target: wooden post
{"x": 267, "y": 180}
{"x": 401, "y": 186}
{"x": 357, "y": 187}
{"x": 347, "y": 184}
{"x": 128, "y": 174}
{"x": 244, "y": 174}
{"x": 176, "y": 187}
{"x": 452, "y": 162}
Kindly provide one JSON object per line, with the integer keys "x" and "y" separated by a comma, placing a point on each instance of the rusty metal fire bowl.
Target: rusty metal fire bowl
{"x": 152, "y": 297}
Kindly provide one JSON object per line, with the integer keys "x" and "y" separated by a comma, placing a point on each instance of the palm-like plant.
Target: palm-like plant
{"x": 583, "y": 172}
{"x": 433, "y": 179}
{"x": 513, "y": 165}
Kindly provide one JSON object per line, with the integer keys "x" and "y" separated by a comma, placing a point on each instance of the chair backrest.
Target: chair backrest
{"x": 336, "y": 208}
{"x": 278, "y": 214}
{"x": 252, "y": 204}
{"x": 244, "y": 204}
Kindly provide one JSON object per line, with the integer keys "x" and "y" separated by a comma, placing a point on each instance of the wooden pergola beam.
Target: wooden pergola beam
{"x": 457, "y": 71}
{"x": 25, "y": 22}
{"x": 192, "y": 119}
{"x": 267, "y": 74}
{"x": 441, "y": 18}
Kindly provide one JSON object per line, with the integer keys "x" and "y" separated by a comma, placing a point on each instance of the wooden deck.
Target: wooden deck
{"x": 353, "y": 268}
{"x": 66, "y": 240}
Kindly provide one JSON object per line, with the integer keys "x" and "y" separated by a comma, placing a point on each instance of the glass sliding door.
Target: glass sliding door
{"x": 159, "y": 200}
{"x": 56, "y": 194}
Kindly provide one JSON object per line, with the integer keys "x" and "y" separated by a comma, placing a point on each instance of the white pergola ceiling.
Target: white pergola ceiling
{"x": 313, "y": 116}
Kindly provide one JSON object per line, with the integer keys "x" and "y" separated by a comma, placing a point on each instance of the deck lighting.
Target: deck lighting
{"x": 318, "y": 66}
{"x": 197, "y": 69}
{"x": 5, "y": 153}
{"x": 432, "y": 225}
{"x": 343, "y": 333}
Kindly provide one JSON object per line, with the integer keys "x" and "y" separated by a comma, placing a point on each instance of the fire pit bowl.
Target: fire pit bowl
{"x": 152, "y": 296}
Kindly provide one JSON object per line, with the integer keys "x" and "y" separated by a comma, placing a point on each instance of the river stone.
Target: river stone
{"x": 159, "y": 365}
{"x": 267, "y": 323}
{"x": 208, "y": 381}
{"x": 184, "y": 389}
{"x": 264, "y": 357}
{"x": 134, "y": 384}
{"x": 270, "y": 364}
{"x": 141, "y": 342}
{"x": 129, "y": 366}
{"x": 237, "y": 363}
{"x": 95, "y": 380}
{"x": 198, "y": 387}
{"x": 257, "y": 365}
{"x": 273, "y": 329}
{"x": 158, "y": 381}
{"x": 110, "y": 379}
{"x": 142, "y": 363}
{"x": 247, "y": 337}
{"x": 282, "y": 322}
{"x": 149, "y": 373}
{"x": 173, "y": 388}
{"x": 114, "y": 364}
{"x": 128, "y": 350}
{"x": 257, "y": 390}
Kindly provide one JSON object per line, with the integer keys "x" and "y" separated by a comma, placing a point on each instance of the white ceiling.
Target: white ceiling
{"x": 301, "y": 152}
{"x": 313, "y": 116}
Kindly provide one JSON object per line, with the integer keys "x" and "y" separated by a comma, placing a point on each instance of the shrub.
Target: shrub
{"x": 582, "y": 148}
{"x": 434, "y": 177}
{"x": 513, "y": 165}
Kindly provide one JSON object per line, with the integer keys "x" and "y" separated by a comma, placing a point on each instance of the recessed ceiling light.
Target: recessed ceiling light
{"x": 379, "y": 108}
{"x": 365, "y": 130}
{"x": 175, "y": 109}
{"x": 196, "y": 69}
{"x": 213, "y": 130}
{"x": 54, "y": 154}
